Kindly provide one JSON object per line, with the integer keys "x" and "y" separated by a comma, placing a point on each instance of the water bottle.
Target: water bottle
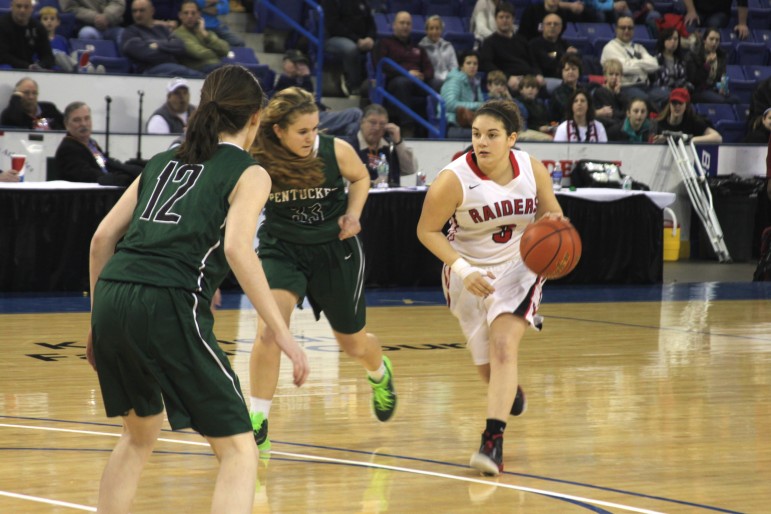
{"x": 556, "y": 177}
{"x": 722, "y": 86}
{"x": 626, "y": 184}
{"x": 382, "y": 172}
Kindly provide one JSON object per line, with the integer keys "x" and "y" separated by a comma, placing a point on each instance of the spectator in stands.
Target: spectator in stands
{"x": 532, "y": 24}
{"x": 535, "y": 115}
{"x": 760, "y": 129}
{"x": 439, "y": 50}
{"x": 462, "y": 94}
{"x": 350, "y": 32}
{"x": 414, "y": 59}
{"x": 706, "y": 70}
{"x": 716, "y": 13}
{"x": 172, "y": 117}
{"x": 212, "y": 10}
{"x": 151, "y": 47}
{"x": 482, "y": 22}
{"x": 641, "y": 11}
{"x": 679, "y": 116}
{"x": 25, "y": 111}
{"x": 296, "y": 73}
{"x": 580, "y": 125}
{"x": 377, "y": 136}
{"x": 560, "y": 99}
{"x": 609, "y": 105}
{"x": 672, "y": 72}
{"x": 760, "y": 100}
{"x": 49, "y": 18}
{"x": 548, "y": 49}
{"x": 101, "y": 19}
{"x": 506, "y": 51}
{"x": 635, "y": 59}
{"x": 24, "y": 41}
{"x": 80, "y": 159}
{"x": 636, "y": 127}
{"x": 205, "y": 49}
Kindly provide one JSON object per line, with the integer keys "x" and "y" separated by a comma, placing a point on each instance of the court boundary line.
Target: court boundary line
{"x": 306, "y": 457}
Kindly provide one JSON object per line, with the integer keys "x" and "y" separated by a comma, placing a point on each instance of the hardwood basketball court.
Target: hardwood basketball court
{"x": 640, "y": 399}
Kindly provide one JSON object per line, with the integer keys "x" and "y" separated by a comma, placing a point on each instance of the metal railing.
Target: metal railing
{"x": 379, "y": 92}
{"x": 315, "y": 39}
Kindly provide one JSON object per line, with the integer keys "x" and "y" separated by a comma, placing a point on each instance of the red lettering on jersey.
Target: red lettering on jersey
{"x": 475, "y": 217}
{"x": 497, "y": 209}
{"x": 506, "y": 208}
{"x": 529, "y": 206}
{"x": 518, "y": 206}
{"x": 488, "y": 213}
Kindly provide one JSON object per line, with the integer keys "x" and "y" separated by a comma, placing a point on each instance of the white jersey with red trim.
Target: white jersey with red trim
{"x": 488, "y": 224}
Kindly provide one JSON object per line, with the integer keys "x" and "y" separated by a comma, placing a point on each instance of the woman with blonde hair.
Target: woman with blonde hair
{"x": 308, "y": 247}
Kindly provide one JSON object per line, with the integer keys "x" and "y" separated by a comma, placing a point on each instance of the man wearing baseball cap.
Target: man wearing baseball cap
{"x": 679, "y": 116}
{"x": 172, "y": 117}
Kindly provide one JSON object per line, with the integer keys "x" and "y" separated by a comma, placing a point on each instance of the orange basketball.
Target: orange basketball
{"x": 550, "y": 247}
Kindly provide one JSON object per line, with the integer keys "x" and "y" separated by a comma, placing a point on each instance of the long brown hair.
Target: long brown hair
{"x": 229, "y": 97}
{"x": 286, "y": 169}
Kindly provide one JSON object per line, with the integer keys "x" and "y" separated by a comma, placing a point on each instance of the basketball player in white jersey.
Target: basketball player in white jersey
{"x": 489, "y": 196}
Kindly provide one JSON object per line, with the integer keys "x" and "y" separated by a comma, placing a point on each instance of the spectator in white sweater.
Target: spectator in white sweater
{"x": 635, "y": 59}
{"x": 439, "y": 50}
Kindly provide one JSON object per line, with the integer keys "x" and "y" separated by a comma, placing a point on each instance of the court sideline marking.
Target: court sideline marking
{"x": 332, "y": 460}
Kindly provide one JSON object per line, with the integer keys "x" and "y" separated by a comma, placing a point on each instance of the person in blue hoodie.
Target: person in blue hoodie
{"x": 462, "y": 93}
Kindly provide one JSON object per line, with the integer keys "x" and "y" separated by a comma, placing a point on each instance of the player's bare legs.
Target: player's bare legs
{"x": 124, "y": 467}
{"x": 506, "y": 332}
{"x": 265, "y": 359}
{"x": 234, "y": 489}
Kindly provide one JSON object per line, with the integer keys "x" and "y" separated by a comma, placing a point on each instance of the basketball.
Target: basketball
{"x": 550, "y": 247}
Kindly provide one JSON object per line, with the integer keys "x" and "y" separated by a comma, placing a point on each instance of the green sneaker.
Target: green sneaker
{"x": 260, "y": 427}
{"x": 383, "y": 394}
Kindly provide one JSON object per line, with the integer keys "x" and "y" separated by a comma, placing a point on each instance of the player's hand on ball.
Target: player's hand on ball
{"x": 349, "y": 226}
{"x": 478, "y": 285}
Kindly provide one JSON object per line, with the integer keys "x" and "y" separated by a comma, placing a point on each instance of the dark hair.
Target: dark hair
{"x": 505, "y": 111}
{"x": 229, "y": 97}
{"x": 505, "y": 7}
{"x": 573, "y": 59}
{"x": 72, "y": 106}
{"x": 589, "y": 104}
{"x": 466, "y": 53}
{"x": 664, "y": 35}
{"x": 287, "y": 169}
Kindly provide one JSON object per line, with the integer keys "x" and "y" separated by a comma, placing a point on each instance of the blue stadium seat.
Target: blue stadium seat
{"x": 441, "y": 7}
{"x": 418, "y": 28}
{"x": 466, "y": 8}
{"x": 105, "y": 53}
{"x": 751, "y": 53}
{"x": 762, "y": 36}
{"x": 456, "y": 33}
{"x": 411, "y": 6}
{"x": 382, "y": 25}
{"x": 735, "y": 72}
{"x": 295, "y": 9}
{"x": 757, "y": 73}
{"x": 595, "y": 30}
{"x": 742, "y": 112}
{"x": 759, "y": 18}
{"x": 732, "y": 131}
{"x": 716, "y": 112}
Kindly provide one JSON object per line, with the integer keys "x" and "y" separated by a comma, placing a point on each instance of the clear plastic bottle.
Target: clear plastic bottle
{"x": 383, "y": 169}
{"x": 556, "y": 177}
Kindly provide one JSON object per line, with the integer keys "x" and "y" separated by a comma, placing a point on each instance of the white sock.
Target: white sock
{"x": 260, "y": 405}
{"x": 378, "y": 374}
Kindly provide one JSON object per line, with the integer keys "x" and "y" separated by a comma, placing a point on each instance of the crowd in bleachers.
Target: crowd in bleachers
{"x": 556, "y": 47}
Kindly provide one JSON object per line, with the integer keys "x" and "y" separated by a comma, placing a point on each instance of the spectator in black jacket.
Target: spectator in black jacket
{"x": 716, "y": 13}
{"x": 24, "y": 41}
{"x": 531, "y": 24}
{"x": 151, "y": 47}
{"x": 506, "y": 51}
{"x": 80, "y": 159}
{"x": 25, "y": 111}
{"x": 350, "y": 35}
{"x": 547, "y": 50}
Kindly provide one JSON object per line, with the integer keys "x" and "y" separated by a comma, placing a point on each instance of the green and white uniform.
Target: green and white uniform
{"x": 152, "y": 322}
{"x": 301, "y": 251}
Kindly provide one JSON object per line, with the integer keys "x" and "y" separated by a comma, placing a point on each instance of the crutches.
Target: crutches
{"x": 689, "y": 165}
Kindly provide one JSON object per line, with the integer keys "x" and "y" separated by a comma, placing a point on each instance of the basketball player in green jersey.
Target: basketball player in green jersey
{"x": 192, "y": 213}
{"x": 308, "y": 247}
